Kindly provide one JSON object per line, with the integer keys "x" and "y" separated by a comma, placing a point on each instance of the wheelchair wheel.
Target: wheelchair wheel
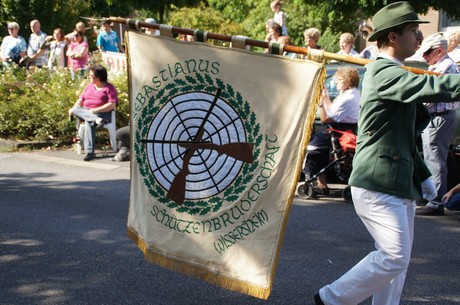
{"x": 305, "y": 191}
{"x": 346, "y": 194}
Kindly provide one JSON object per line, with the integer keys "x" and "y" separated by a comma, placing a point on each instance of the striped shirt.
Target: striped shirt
{"x": 445, "y": 66}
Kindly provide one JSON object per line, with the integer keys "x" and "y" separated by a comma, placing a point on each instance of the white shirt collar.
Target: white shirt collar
{"x": 390, "y": 58}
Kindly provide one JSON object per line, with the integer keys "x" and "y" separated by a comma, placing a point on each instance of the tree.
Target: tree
{"x": 158, "y": 8}
{"x": 57, "y": 14}
{"x": 301, "y": 15}
{"x": 204, "y": 18}
{"x": 369, "y": 7}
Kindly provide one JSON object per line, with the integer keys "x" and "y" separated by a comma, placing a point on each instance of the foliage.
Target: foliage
{"x": 161, "y": 9}
{"x": 300, "y": 16}
{"x": 235, "y": 10}
{"x": 204, "y": 18}
{"x": 51, "y": 14}
{"x": 331, "y": 23}
{"x": 35, "y": 106}
{"x": 369, "y": 7}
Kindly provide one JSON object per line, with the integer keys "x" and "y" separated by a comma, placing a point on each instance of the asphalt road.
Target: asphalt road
{"x": 63, "y": 240}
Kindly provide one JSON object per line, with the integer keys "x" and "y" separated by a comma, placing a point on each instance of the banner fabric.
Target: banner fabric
{"x": 218, "y": 142}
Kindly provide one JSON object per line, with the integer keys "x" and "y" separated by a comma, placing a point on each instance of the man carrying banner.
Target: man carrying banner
{"x": 388, "y": 173}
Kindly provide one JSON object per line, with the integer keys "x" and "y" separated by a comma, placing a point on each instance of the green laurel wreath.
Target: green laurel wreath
{"x": 201, "y": 83}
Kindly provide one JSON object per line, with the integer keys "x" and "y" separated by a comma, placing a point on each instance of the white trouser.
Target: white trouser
{"x": 390, "y": 221}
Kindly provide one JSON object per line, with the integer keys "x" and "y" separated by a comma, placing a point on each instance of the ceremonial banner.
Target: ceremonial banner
{"x": 219, "y": 137}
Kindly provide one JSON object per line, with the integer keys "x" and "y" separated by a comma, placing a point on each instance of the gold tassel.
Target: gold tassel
{"x": 310, "y": 119}
{"x": 192, "y": 270}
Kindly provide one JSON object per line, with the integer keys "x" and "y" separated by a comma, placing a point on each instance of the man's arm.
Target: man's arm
{"x": 120, "y": 48}
{"x": 104, "y": 108}
{"x": 77, "y": 104}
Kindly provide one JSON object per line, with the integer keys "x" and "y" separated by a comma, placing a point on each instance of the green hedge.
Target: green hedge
{"x": 35, "y": 106}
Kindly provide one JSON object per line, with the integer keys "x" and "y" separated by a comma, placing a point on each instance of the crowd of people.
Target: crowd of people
{"x": 58, "y": 50}
{"x": 277, "y": 31}
{"x": 440, "y": 51}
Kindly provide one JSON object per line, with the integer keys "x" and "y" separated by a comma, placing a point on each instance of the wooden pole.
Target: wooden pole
{"x": 263, "y": 44}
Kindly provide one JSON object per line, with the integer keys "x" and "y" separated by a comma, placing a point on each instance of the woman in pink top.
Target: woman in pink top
{"x": 94, "y": 106}
{"x": 78, "y": 56}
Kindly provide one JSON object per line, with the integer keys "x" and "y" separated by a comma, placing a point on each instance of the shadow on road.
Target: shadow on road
{"x": 65, "y": 242}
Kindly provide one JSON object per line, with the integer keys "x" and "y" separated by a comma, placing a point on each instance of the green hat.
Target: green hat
{"x": 391, "y": 17}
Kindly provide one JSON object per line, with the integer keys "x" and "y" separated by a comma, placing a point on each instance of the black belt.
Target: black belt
{"x": 441, "y": 113}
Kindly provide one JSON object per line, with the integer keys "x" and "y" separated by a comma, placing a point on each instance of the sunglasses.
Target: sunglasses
{"x": 429, "y": 51}
{"x": 11, "y": 28}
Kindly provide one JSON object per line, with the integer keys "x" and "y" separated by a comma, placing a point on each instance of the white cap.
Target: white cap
{"x": 433, "y": 41}
{"x": 150, "y": 20}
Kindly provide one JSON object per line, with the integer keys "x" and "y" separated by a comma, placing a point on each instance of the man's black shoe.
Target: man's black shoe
{"x": 421, "y": 202}
{"x": 88, "y": 157}
{"x": 429, "y": 211}
{"x": 317, "y": 299}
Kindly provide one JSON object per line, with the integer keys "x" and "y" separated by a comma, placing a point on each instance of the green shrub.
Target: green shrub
{"x": 35, "y": 106}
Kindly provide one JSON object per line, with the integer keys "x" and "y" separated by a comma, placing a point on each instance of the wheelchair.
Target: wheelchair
{"x": 340, "y": 150}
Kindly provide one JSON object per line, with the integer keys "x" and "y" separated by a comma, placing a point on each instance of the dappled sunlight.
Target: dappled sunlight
{"x": 102, "y": 236}
{"x": 46, "y": 294}
{"x": 9, "y": 258}
{"x": 452, "y": 230}
{"x": 22, "y": 242}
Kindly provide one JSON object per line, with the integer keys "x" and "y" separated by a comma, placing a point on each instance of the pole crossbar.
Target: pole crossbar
{"x": 134, "y": 23}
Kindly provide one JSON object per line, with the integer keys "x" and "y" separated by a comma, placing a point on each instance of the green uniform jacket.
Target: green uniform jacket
{"x": 391, "y": 117}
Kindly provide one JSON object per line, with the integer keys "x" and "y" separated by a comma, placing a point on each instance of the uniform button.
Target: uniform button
{"x": 395, "y": 157}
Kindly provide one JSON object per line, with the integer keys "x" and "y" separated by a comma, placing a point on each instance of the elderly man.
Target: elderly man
{"x": 389, "y": 174}
{"x": 38, "y": 55}
{"x": 438, "y": 135}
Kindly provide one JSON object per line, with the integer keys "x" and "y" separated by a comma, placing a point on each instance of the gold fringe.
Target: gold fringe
{"x": 192, "y": 270}
{"x": 310, "y": 120}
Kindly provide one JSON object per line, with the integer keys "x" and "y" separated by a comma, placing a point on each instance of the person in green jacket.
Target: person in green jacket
{"x": 388, "y": 173}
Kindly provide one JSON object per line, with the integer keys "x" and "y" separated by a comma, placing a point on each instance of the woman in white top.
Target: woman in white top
{"x": 58, "y": 46}
{"x": 346, "y": 45}
{"x": 345, "y": 107}
{"x": 340, "y": 114}
{"x": 279, "y": 17}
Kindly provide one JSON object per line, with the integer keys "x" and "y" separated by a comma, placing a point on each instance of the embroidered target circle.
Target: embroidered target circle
{"x": 196, "y": 146}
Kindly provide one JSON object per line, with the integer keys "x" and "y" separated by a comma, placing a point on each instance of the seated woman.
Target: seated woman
{"x": 340, "y": 114}
{"x": 94, "y": 106}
